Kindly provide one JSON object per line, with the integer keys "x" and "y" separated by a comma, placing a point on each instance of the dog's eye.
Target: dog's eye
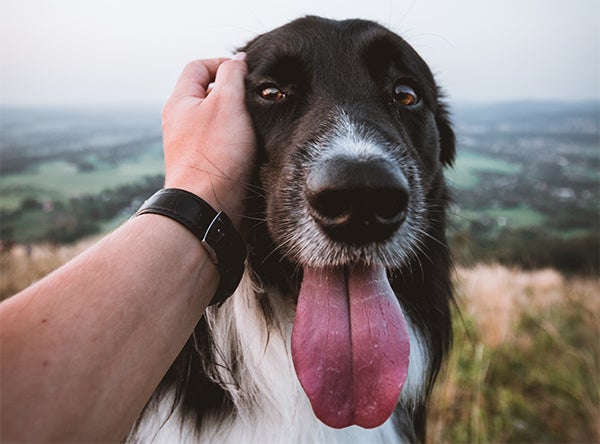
{"x": 405, "y": 95}
{"x": 272, "y": 93}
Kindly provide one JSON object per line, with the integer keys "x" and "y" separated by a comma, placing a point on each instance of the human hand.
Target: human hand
{"x": 208, "y": 140}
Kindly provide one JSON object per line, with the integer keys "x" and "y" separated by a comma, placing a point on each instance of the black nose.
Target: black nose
{"x": 357, "y": 201}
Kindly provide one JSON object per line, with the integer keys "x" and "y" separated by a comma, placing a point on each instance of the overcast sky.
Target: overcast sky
{"x": 122, "y": 52}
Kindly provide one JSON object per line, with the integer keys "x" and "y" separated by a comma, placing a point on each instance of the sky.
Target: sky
{"x": 130, "y": 52}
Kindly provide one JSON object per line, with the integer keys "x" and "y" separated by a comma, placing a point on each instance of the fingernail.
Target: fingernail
{"x": 239, "y": 56}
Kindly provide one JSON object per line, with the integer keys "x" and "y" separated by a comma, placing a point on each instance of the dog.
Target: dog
{"x": 342, "y": 320}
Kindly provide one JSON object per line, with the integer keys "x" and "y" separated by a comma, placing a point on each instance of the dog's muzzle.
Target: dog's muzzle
{"x": 357, "y": 201}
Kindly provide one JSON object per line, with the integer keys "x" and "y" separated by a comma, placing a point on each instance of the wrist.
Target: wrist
{"x": 212, "y": 228}
{"x": 219, "y": 193}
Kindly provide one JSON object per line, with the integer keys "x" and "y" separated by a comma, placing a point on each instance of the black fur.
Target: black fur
{"x": 351, "y": 64}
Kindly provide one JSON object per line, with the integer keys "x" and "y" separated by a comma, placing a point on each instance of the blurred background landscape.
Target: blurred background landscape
{"x": 80, "y": 149}
{"x": 526, "y": 181}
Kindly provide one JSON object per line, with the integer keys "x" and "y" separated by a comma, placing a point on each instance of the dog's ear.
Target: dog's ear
{"x": 446, "y": 134}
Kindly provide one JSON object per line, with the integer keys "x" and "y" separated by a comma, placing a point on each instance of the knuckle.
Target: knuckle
{"x": 194, "y": 64}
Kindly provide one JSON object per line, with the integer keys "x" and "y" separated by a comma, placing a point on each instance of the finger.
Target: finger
{"x": 229, "y": 80}
{"x": 196, "y": 77}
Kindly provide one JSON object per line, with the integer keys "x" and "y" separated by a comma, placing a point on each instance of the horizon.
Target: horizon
{"x": 151, "y": 106}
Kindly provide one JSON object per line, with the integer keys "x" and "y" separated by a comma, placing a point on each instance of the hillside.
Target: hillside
{"x": 525, "y": 365}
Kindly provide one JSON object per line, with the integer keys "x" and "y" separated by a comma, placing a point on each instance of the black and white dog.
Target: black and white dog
{"x": 341, "y": 322}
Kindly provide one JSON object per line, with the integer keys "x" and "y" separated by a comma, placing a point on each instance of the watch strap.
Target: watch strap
{"x": 214, "y": 230}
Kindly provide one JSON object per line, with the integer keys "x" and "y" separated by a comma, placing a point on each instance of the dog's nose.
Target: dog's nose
{"x": 357, "y": 201}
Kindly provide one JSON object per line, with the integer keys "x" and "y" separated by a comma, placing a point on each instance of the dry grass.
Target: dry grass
{"x": 495, "y": 296}
{"x": 23, "y": 266}
{"x": 525, "y": 365}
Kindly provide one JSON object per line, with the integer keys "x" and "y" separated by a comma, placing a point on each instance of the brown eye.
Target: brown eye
{"x": 272, "y": 93}
{"x": 405, "y": 95}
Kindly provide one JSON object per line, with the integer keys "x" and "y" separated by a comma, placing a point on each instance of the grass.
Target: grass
{"x": 525, "y": 365}
{"x": 21, "y": 267}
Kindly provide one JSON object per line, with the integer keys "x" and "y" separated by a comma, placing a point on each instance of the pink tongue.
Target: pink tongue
{"x": 350, "y": 345}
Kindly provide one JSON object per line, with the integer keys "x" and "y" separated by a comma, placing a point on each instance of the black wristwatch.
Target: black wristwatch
{"x": 214, "y": 230}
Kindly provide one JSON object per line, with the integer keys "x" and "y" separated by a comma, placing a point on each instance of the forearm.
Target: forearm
{"x": 70, "y": 370}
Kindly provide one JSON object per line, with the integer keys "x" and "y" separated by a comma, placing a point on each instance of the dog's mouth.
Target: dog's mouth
{"x": 350, "y": 345}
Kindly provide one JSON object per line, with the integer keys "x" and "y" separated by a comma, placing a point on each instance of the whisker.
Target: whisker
{"x": 278, "y": 247}
{"x": 254, "y": 218}
{"x": 433, "y": 238}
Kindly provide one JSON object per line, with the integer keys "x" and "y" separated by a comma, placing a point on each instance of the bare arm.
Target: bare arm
{"x": 84, "y": 348}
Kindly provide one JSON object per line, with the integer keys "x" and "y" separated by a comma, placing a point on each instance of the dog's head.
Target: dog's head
{"x": 353, "y": 139}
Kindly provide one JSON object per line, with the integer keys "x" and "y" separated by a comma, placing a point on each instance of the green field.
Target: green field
{"x": 61, "y": 180}
{"x": 518, "y": 217}
{"x": 470, "y": 165}
{"x": 60, "y": 201}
